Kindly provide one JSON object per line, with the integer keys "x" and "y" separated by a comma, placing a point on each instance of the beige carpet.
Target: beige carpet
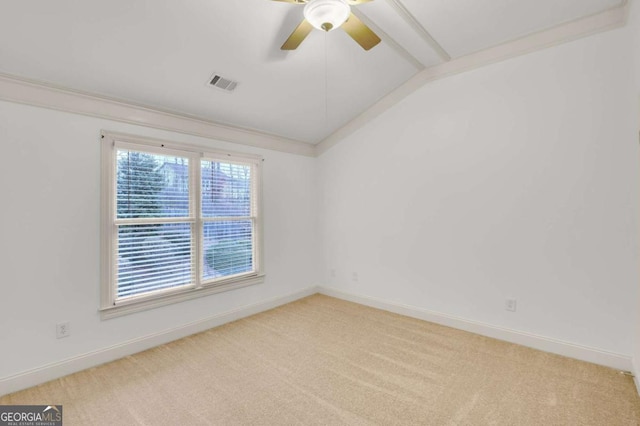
{"x": 325, "y": 361}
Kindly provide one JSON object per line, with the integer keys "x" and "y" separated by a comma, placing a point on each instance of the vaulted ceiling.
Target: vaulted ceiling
{"x": 162, "y": 53}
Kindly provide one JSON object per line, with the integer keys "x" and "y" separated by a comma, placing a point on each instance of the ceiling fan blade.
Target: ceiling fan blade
{"x": 360, "y": 32}
{"x": 352, "y": 2}
{"x": 297, "y": 36}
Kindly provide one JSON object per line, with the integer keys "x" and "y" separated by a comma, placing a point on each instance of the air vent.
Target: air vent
{"x": 223, "y": 83}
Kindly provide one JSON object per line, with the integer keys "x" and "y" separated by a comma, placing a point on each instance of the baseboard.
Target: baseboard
{"x": 91, "y": 359}
{"x": 571, "y": 350}
{"x": 635, "y": 371}
{"x": 62, "y": 368}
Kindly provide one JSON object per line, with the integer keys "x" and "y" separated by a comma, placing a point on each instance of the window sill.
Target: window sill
{"x": 129, "y": 307}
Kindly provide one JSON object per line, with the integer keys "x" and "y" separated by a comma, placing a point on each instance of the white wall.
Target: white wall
{"x": 49, "y": 238}
{"x": 519, "y": 179}
{"x": 634, "y": 31}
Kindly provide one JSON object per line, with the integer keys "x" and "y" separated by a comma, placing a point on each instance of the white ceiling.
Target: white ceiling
{"x": 160, "y": 53}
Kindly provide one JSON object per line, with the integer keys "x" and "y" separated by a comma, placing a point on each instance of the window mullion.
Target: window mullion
{"x": 196, "y": 211}
{"x": 256, "y": 222}
{"x": 114, "y": 264}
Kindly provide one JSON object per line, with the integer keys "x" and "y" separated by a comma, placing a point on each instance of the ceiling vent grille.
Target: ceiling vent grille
{"x": 223, "y": 83}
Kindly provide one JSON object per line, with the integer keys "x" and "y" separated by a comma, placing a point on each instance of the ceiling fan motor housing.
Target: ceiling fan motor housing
{"x": 327, "y": 14}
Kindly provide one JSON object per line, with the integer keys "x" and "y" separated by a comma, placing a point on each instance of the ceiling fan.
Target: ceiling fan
{"x": 328, "y": 15}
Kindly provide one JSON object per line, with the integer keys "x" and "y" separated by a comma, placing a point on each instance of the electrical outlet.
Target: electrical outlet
{"x": 333, "y": 273}
{"x": 510, "y": 304}
{"x": 63, "y": 329}
{"x": 354, "y": 276}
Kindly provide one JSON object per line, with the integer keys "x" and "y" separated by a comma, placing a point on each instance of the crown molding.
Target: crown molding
{"x": 609, "y": 19}
{"x": 15, "y": 89}
{"x": 45, "y": 95}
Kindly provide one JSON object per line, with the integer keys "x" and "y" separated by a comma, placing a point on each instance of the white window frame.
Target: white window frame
{"x": 110, "y": 306}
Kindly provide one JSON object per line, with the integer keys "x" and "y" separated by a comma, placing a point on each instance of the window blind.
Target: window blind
{"x": 228, "y": 216}
{"x": 154, "y": 227}
{"x": 179, "y": 223}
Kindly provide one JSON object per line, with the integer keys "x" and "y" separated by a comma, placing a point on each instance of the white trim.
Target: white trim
{"x": 74, "y": 364}
{"x": 609, "y": 19}
{"x": 419, "y": 29}
{"x": 635, "y": 371}
{"x": 110, "y": 305}
{"x": 171, "y": 296}
{"x": 46, "y": 95}
{"x": 417, "y": 64}
{"x": 35, "y": 93}
{"x": 203, "y": 150}
{"x": 547, "y": 344}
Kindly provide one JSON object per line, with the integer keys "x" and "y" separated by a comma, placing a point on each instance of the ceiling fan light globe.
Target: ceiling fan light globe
{"x": 327, "y": 15}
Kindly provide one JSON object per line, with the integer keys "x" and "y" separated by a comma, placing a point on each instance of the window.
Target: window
{"x": 178, "y": 222}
